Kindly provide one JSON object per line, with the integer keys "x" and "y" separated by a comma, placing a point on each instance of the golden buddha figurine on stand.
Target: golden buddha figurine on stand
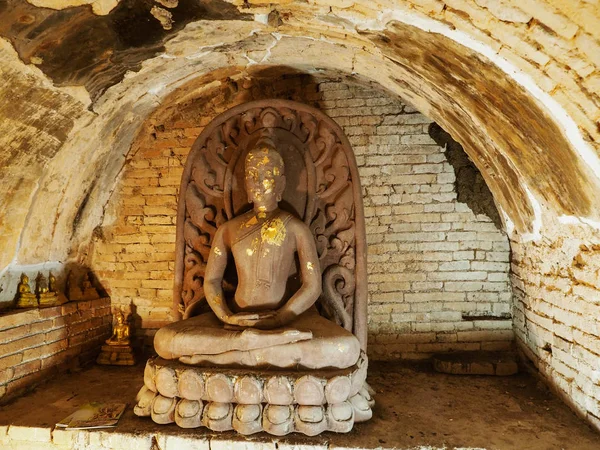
{"x": 121, "y": 331}
{"x": 47, "y": 297}
{"x": 118, "y": 350}
{"x": 26, "y": 298}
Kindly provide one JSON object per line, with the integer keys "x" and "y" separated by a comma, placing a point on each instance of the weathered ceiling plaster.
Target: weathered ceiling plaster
{"x": 132, "y": 68}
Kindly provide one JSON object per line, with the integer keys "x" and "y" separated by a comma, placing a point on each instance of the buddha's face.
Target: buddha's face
{"x": 265, "y": 180}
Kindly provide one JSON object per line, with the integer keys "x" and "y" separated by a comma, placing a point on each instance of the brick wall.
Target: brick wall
{"x": 434, "y": 266}
{"x": 38, "y": 343}
{"x": 556, "y": 311}
{"x": 438, "y": 273}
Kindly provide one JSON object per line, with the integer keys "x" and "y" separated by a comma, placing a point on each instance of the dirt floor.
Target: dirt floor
{"x": 416, "y": 408}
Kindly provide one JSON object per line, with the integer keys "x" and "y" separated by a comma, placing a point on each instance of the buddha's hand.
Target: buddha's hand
{"x": 246, "y": 319}
{"x": 274, "y": 319}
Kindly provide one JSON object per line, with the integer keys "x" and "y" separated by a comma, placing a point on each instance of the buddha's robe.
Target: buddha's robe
{"x": 310, "y": 341}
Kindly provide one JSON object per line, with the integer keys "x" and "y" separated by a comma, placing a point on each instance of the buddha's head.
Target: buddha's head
{"x": 265, "y": 178}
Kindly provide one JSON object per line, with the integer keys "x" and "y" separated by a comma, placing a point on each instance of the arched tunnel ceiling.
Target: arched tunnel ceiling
{"x": 58, "y": 196}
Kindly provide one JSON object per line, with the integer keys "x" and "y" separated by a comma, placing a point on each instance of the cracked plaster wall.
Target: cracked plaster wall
{"x": 515, "y": 82}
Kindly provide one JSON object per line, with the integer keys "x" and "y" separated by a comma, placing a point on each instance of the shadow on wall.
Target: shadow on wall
{"x": 470, "y": 186}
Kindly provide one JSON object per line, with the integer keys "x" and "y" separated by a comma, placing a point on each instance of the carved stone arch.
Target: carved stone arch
{"x": 323, "y": 189}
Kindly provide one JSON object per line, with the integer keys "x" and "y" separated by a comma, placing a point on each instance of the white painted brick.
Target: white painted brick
{"x": 427, "y": 286}
{"x": 439, "y": 207}
{"x": 238, "y": 444}
{"x": 498, "y": 256}
{"x": 427, "y": 168}
{"x": 185, "y": 443}
{"x": 435, "y": 296}
{"x": 495, "y": 287}
{"x": 463, "y": 255}
{"x": 455, "y": 265}
{"x": 475, "y": 245}
{"x": 404, "y": 227}
{"x": 419, "y": 139}
{"x": 31, "y": 434}
{"x": 420, "y": 237}
{"x": 456, "y": 276}
{"x": 444, "y": 326}
{"x": 490, "y": 266}
{"x": 482, "y": 296}
{"x": 463, "y": 286}
{"x": 498, "y": 276}
{"x": 435, "y": 226}
{"x": 493, "y": 324}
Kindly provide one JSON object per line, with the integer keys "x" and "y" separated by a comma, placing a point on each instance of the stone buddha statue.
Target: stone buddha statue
{"x": 269, "y": 321}
{"x": 89, "y": 292}
{"x": 258, "y": 355}
{"x": 60, "y": 297}
{"x": 25, "y": 298}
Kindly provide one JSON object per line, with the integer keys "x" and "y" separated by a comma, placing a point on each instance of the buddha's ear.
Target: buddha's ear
{"x": 280, "y": 186}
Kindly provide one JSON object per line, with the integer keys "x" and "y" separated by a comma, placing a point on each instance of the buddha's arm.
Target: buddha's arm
{"x": 310, "y": 271}
{"x": 213, "y": 277}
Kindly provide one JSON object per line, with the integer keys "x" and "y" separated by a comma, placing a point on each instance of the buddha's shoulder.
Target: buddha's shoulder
{"x": 238, "y": 220}
{"x": 294, "y": 222}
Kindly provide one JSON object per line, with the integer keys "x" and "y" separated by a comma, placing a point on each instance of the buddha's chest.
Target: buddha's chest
{"x": 263, "y": 260}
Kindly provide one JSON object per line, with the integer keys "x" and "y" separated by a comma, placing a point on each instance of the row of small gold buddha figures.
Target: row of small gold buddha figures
{"x": 46, "y": 291}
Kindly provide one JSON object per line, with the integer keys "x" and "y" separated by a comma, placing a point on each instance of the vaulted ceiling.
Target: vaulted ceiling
{"x": 515, "y": 82}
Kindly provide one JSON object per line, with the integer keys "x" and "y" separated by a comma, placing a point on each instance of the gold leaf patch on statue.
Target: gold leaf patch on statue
{"x": 273, "y": 232}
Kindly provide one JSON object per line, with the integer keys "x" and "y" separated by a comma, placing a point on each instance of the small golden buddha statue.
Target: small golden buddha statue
{"x": 25, "y": 298}
{"x": 118, "y": 350}
{"x": 52, "y": 282}
{"x": 121, "y": 331}
{"x": 61, "y": 298}
{"x": 46, "y": 296}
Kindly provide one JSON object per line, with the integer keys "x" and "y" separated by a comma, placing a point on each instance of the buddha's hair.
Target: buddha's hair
{"x": 265, "y": 147}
